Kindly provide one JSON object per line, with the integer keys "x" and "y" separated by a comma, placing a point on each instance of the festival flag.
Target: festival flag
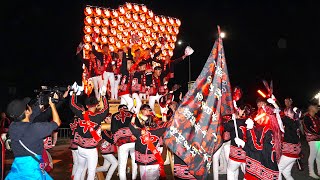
{"x": 196, "y": 130}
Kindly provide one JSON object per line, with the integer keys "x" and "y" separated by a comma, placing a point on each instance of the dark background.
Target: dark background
{"x": 272, "y": 39}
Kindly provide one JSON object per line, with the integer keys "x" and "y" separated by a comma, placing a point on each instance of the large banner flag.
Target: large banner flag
{"x": 196, "y": 130}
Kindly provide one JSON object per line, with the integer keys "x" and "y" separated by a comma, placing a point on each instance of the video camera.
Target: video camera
{"x": 46, "y": 92}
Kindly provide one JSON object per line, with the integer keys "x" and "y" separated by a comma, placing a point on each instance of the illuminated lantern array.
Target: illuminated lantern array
{"x": 115, "y": 27}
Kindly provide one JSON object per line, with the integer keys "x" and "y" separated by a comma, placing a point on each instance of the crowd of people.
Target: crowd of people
{"x": 263, "y": 143}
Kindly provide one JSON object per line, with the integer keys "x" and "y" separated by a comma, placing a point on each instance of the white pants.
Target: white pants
{"x": 153, "y": 99}
{"x": 91, "y": 157}
{"x": 75, "y": 155}
{"x": 216, "y": 157}
{"x": 314, "y": 155}
{"x": 123, "y": 151}
{"x": 137, "y": 105}
{"x": 285, "y": 166}
{"x": 127, "y": 100}
{"x": 97, "y": 83}
{"x": 149, "y": 172}
{"x": 116, "y": 85}
{"x": 109, "y": 76}
{"x": 109, "y": 160}
{"x": 233, "y": 169}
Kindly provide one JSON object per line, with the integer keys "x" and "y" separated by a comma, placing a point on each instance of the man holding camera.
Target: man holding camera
{"x": 27, "y": 140}
{"x": 41, "y": 108}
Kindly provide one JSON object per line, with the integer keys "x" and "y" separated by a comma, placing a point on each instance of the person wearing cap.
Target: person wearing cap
{"x": 27, "y": 140}
{"x": 147, "y": 150}
{"x": 87, "y": 135}
{"x": 311, "y": 125}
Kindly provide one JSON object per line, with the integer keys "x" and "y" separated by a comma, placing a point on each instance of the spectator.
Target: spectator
{"x": 4, "y": 123}
{"x": 27, "y": 140}
{"x": 311, "y": 124}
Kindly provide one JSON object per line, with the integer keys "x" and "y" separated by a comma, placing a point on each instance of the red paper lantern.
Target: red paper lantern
{"x": 96, "y": 29}
{"x": 150, "y": 14}
{"x": 149, "y": 23}
{"x": 136, "y": 8}
{"x": 121, "y": 19}
{"x": 106, "y": 13}
{"x": 144, "y": 9}
{"x": 88, "y": 21}
{"x": 87, "y": 38}
{"x": 104, "y": 39}
{"x": 105, "y": 22}
{"x": 97, "y": 12}
{"x": 87, "y": 30}
{"x": 128, "y": 6}
{"x": 104, "y": 31}
{"x": 122, "y": 10}
{"x": 97, "y": 21}
{"x": 88, "y": 11}
{"x": 87, "y": 47}
{"x": 128, "y": 15}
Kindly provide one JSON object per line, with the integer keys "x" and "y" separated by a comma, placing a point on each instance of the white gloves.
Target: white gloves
{"x": 239, "y": 142}
{"x": 235, "y": 104}
{"x": 103, "y": 91}
{"x": 276, "y": 110}
{"x": 271, "y": 101}
{"x": 75, "y": 88}
{"x": 249, "y": 123}
{"x": 295, "y": 109}
{"x": 188, "y": 51}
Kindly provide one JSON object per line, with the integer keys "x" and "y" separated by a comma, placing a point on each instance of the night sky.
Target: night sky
{"x": 265, "y": 40}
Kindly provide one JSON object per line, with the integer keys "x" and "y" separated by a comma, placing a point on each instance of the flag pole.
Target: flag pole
{"x": 234, "y": 102}
{"x": 234, "y": 119}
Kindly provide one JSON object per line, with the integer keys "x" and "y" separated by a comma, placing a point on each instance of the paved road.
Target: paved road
{"x": 63, "y": 164}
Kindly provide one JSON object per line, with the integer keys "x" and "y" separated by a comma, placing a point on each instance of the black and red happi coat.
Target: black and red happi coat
{"x": 120, "y": 127}
{"x": 261, "y": 160}
{"x": 195, "y": 133}
{"x": 291, "y": 146}
{"x": 311, "y": 125}
{"x": 143, "y": 155}
{"x": 73, "y": 127}
{"x": 83, "y": 136}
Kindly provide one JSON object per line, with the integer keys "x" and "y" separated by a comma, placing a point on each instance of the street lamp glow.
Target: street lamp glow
{"x": 317, "y": 96}
{"x": 222, "y": 34}
{"x": 179, "y": 42}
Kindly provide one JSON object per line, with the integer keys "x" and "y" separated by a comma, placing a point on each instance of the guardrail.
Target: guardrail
{"x": 64, "y": 133}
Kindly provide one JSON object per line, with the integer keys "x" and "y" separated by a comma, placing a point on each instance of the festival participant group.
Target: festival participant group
{"x": 262, "y": 142}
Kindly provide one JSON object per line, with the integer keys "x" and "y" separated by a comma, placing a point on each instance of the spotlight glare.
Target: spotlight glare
{"x": 222, "y": 34}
